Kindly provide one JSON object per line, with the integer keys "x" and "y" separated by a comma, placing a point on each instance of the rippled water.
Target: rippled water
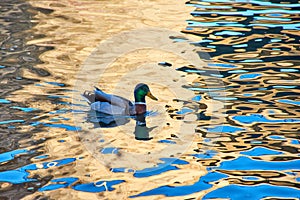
{"x": 252, "y": 46}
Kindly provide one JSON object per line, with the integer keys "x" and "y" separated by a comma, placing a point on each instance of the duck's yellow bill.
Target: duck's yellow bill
{"x": 151, "y": 96}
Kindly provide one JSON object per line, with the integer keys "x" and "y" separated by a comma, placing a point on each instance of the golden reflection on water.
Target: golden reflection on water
{"x": 120, "y": 78}
{"x": 74, "y": 29}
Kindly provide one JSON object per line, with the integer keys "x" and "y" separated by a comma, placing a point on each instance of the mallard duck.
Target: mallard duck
{"x": 116, "y": 105}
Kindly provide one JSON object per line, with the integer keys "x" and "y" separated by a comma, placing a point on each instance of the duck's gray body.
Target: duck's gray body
{"x": 109, "y": 104}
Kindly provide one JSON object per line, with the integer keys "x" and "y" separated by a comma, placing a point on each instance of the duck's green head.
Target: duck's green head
{"x": 141, "y": 90}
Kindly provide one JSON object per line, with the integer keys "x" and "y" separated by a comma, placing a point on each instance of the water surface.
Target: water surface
{"x": 251, "y": 46}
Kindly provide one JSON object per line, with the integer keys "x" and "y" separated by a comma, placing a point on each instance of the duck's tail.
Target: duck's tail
{"x": 98, "y": 95}
{"x": 97, "y": 89}
{"x": 89, "y": 97}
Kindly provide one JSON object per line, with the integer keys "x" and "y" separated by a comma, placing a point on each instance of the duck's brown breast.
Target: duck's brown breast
{"x": 140, "y": 109}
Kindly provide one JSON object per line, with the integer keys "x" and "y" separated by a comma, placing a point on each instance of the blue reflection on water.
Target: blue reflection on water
{"x": 245, "y": 163}
{"x": 289, "y": 70}
{"x": 15, "y": 176}
{"x": 110, "y": 150}
{"x": 228, "y": 33}
{"x": 57, "y": 163}
{"x": 260, "y": 151}
{"x": 272, "y": 18}
{"x": 225, "y": 98}
{"x": 5, "y": 101}
{"x": 240, "y": 45}
{"x": 7, "y": 156}
{"x": 167, "y": 141}
{"x": 276, "y": 137}
{"x": 12, "y": 121}
{"x": 65, "y": 126}
{"x": 250, "y": 60}
{"x": 295, "y": 142}
{"x": 167, "y": 165}
{"x": 222, "y": 65}
{"x": 284, "y": 86}
{"x": 179, "y": 39}
{"x": 224, "y": 129}
{"x": 284, "y": 26}
{"x": 24, "y": 109}
{"x": 250, "y": 178}
{"x": 21, "y": 174}
{"x": 249, "y": 76}
{"x": 184, "y": 111}
{"x": 258, "y": 118}
{"x": 59, "y": 183}
{"x": 41, "y": 157}
{"x": 237, "y": 71}
{"x": 288, "y": 101}
{"x": 197, "y": 98}
{"x": 254, "y": 192}
{"x": 121, "y": 170}
{"x": 171, "y": 191}
{"x": 56, "y": 84}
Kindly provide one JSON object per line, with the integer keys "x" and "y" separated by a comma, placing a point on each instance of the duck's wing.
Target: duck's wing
{"x": 102, "y": 96}
{"x": 97, "y": 95}
{"x": 112, "y": 99}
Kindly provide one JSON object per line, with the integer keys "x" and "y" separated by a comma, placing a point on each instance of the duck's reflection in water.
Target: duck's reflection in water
{"x": 102, "y": 120}
{"x": 141, "y": 130}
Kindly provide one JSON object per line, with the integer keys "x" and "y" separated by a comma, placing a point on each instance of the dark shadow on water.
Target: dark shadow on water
{"x": 102, "y": 120}
{"x": 141, "y": 131}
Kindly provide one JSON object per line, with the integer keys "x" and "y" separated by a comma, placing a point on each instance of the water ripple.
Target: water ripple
{"x": 254, "y": 154}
